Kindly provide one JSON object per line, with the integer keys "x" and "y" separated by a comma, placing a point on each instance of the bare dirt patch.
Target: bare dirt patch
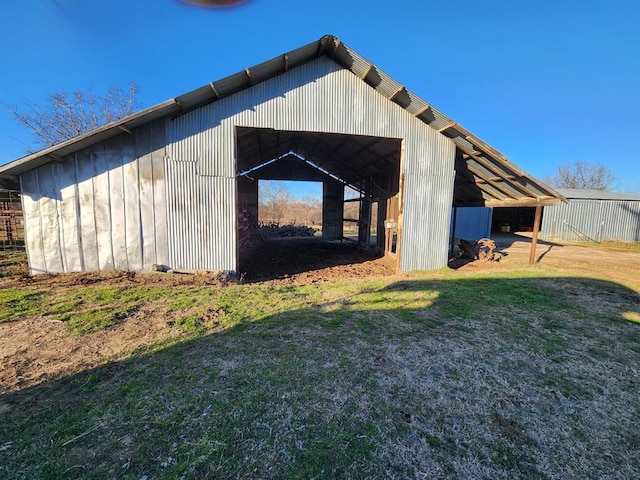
{"x": 598, "y": 262}
{"x": 35, "y": 349}
{"x": 305, "y": 261}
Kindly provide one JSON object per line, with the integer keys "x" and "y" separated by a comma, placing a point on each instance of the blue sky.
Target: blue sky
{"x": 546, "y": 82}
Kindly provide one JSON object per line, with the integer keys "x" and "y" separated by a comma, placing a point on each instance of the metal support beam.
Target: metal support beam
{"x": 396, "y": 93}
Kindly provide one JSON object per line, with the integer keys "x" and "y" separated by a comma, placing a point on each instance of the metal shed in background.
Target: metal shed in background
{"x": 470, "y": 223}
{"x": 593, "y": 215}
{"x": 171, "y": 184}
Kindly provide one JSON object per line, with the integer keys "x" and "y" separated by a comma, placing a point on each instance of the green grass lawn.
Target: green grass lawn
{"x": 432, "y": 375}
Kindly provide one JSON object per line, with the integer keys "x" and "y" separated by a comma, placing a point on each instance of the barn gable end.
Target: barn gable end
{"x": 318, "y": 96}
{"x": 161, "y": 186}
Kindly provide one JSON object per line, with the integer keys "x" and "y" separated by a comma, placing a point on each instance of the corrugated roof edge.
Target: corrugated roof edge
{"x": 591, "y": 194}
{"x": 328, "y": 45}
{"x": 53, "y": 153}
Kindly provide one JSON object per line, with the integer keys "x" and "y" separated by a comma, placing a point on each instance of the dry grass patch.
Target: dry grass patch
{"x": 433, "y": 375}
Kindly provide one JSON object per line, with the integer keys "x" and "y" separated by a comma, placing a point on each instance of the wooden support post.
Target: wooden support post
{"x": 380, "y": 230}
{"x": 364, "y": 226}
{"x": 534, "y": 239}
{"x": 453, "y": 230}
{"x": 400, "y": 221}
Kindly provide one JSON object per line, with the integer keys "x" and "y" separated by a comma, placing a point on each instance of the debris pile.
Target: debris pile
{"x": 483, "y": 250}
{"x": 275, "y": 230}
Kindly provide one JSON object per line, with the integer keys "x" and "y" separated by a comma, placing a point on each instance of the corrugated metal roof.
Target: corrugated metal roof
{"x": 500, "y": 184}
{"x": 590, "y": 194}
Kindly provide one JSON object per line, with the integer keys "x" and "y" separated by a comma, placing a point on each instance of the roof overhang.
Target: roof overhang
{"x": 489, "y": 178}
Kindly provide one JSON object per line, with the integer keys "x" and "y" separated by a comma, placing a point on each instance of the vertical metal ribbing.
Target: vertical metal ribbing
{"x": 317, "y": 96}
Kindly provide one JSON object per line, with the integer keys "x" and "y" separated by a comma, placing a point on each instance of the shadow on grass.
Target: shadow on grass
{"x": 464, "y": 377}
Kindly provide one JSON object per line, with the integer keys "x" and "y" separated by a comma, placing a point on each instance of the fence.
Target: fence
{"x": 11, "y": 221}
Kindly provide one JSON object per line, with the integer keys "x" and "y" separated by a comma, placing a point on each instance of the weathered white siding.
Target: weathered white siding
{"x": 99, "y": 209}
{"x": 318, "y": 96}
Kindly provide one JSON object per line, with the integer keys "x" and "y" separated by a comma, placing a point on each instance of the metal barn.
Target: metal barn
{"x": 172, "y": 184}
{"x": 593, "y": 216}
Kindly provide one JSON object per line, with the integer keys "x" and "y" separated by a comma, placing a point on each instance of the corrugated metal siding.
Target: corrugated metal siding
{"x": 425, "y": 226}
{"x": 318, "y": 96}
{"x": 472, "y": 223}
{"x": 592, "y": 220}
{"x": 201, "y": 211}
{"x": 95, "y": 210}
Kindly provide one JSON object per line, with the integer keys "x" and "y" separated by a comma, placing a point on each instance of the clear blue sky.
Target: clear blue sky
{"x": 546, "y": 82}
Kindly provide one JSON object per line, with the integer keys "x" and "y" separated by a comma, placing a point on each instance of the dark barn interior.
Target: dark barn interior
{"x": 368, "y": 165}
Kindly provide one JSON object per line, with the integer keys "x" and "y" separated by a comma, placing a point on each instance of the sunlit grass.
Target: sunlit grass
{"x": 614, "y": 245}
{"x": 525, "y": 374}
{"x": 631, "y": 316}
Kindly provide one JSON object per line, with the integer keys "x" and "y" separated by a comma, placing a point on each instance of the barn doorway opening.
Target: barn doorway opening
{"x": 289, "y": 208}
{"x": 360, "y": 198}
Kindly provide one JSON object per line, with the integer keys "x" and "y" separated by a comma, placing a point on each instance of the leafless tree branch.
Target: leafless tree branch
{"x": 66, "y": 116}
{"x": 582, "y": 175}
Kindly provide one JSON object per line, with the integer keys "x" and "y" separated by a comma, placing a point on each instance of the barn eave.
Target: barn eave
{"x": 495, "y": 180}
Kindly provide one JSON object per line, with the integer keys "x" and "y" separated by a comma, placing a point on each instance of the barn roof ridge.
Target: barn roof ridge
{"x": 500, "y": 181}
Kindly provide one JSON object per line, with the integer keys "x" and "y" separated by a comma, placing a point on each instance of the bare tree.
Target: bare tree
{"x": 68, "y": 115}
{"x": 582, "y": 175}
{"x": 275, "y": 198}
